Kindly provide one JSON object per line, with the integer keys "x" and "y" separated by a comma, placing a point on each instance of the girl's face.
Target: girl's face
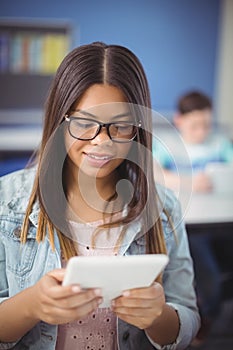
{"x": 100, "y": 156}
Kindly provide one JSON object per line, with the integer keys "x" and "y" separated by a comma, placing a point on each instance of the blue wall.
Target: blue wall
{"x": 176, "y": 40}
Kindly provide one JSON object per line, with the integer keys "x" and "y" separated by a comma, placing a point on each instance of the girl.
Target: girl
{"x": 92, "y": 192}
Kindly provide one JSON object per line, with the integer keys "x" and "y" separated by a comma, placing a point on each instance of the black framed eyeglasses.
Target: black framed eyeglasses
{"x": 86, "y": 129}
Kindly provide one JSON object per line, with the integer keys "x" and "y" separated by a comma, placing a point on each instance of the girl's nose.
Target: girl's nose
{"x": 101, "y": 137}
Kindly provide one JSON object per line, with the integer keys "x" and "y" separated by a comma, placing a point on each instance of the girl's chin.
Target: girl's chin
{"x": 95, "y": 172}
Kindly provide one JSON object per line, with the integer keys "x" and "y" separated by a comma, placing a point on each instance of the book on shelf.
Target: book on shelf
{"x": 32, "y": 53}
{"x": 4, "y": 52}
{"x": 54, "y": 48}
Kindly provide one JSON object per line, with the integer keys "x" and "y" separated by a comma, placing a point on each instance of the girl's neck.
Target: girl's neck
{"x": 92, "y": 199}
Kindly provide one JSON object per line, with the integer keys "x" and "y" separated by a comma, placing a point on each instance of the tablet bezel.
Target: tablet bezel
{"x": 114, "y": 274}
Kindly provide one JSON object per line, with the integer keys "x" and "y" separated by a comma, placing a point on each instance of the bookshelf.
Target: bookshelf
{"x": 30, "y": 52}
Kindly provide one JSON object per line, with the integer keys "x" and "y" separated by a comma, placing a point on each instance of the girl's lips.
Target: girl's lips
{"x": 97, "y": 160}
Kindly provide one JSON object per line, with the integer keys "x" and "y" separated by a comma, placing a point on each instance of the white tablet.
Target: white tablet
{"x": 114, "y": 274}
{"x": 221, "y": 175}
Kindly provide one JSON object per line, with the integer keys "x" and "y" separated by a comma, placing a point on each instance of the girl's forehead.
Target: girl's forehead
{"x": 100, "y": 94}
{"x": 106, "y": 110}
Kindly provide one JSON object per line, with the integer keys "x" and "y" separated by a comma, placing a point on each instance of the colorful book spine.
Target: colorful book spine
{"x": 35, "y": 53}
{"x": 4, "y": 52}
{"x": 16, "y": 53}
{"x": 32, "y": 53}
{"x": 54, "y": 48}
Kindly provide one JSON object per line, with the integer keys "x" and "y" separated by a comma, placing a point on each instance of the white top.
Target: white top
{"x": 97, "y": 330}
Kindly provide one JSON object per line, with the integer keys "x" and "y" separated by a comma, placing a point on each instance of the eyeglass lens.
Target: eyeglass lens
{"x": 86, "y": 129}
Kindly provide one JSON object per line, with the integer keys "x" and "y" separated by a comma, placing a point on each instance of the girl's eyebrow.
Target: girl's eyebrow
{"x": 125, "y": 114}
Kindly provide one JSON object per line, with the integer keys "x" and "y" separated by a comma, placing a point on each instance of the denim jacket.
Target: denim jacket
{"x": 22, "y": 265}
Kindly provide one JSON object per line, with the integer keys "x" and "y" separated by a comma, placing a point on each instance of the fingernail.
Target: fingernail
{"x": 76, "y": 289}
{"x": 100, "y": 300}
{"x": 126, "y": 293}
{"x": 98, "y": 292}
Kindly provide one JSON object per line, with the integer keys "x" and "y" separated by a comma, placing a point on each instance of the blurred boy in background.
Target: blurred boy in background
{"x": 193, "y": 121}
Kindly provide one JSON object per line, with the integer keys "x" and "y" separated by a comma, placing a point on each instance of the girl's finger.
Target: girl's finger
{"x": 151, "y": 292}
{"x": 134, "y": 312}
{"x": 57, "y": 274}
{"x": 132, "y": 303}
{"x": 78, "y": 299}
{"x": 56, "y": 315}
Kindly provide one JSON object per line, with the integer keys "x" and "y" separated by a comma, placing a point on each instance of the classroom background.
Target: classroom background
{"x": 183, "y": 45}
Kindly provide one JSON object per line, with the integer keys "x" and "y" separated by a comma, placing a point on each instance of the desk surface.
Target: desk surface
{"x": 20, "y": 139}
{"x": 207, "y": 208}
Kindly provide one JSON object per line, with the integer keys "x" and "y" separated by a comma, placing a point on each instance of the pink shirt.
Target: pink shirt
{"x": 97, "y": 331}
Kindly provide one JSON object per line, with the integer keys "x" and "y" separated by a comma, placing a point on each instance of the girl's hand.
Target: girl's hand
{"x": 140, "y": 307}
{"x": 57, "y": 304}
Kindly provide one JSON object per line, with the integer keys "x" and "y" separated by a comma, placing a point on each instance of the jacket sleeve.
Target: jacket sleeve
{"x": 178, "y": 283}
{"x": 4, "y": 290}
{"x": 3, "y": 279}
{"x": 178, "y": 276}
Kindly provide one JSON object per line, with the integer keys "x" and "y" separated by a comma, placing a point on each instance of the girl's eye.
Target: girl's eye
{"x": 124, "y": 128}
{"x": 84, "y": 124}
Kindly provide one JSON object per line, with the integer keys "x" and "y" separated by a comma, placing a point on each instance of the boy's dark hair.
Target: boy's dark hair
{"x": 193, "y": 101}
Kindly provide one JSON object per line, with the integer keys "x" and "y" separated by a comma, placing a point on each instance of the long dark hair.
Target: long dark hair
{"x": 96, "y": 63}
